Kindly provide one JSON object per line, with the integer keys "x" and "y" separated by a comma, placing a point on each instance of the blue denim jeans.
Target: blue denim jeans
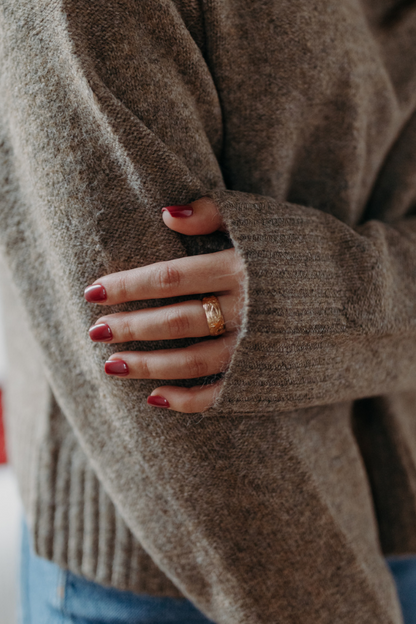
{"x": 50, "y": 595}
{"x": 404, "y": 574}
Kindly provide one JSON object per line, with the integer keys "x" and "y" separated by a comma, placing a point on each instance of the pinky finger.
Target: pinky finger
{"x": 186, "y": 400}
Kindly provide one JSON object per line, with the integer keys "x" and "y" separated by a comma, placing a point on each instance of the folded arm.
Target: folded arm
{"x": 329, "y": 311}
{"x": 109, "y": 113}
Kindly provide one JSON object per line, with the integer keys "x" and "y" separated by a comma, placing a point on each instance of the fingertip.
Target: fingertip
{"x": 157, "y": 400}
{"x": 194, "y": 400}
{"x": 95, "y": 293}
{"x": 179, "y": 212}
{"x": 199, "y": 217}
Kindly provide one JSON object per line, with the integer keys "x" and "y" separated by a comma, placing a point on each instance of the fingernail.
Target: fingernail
{"x": 95, "y": 293}
{"x": 116, "y": 367}
{"x": 180, "y": 212}
{"x": 158, "y": 401}
{"x": 100, "y": 332}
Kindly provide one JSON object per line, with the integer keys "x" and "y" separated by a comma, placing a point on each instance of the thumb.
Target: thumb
{"x": 198, "y": 217}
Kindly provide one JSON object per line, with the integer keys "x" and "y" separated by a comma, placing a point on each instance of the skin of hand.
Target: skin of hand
{"x": 221, "y": 273}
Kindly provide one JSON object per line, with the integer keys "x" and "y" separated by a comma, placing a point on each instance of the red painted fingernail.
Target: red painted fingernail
{"x": 158, "y": 401}
{"x": 100, "y": 332}
{"x": 116, "y": 367}
{"x": 95, "y": 293}
{"x": 180, "y": 212}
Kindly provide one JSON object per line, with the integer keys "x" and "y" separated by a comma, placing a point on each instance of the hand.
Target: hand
{"x": 220, "y": 273}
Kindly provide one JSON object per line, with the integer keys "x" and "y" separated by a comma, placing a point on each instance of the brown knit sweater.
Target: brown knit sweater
{"x": 299, "y": 118}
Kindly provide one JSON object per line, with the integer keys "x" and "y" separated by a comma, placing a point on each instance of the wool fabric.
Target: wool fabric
{"x": 298, "y": 117}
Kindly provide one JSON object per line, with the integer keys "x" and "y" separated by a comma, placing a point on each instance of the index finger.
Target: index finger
{"x": 215, "y": 272}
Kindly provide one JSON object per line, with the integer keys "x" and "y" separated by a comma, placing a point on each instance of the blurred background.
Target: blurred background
{"x": 10, "y": 511}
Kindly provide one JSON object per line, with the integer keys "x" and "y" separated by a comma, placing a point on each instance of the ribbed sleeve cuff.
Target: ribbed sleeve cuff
{"x": 314, "y": 312}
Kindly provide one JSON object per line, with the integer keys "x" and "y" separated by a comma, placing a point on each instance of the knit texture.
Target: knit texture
{"x": 299, "y": 118}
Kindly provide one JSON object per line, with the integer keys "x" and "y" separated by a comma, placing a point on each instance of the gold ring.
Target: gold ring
{"x": 214, "y": 315}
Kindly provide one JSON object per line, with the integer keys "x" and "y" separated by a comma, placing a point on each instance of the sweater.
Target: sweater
{"x": 298, "y": 118}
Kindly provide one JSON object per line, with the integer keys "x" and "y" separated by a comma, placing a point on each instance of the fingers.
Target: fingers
{"x": 200, "y": 360}
{"x": 215, "y": 272}
{"x": 198, "y": 217}
{"x": 186, "y": 400}
{"x": 180, "y": 320}
{"x": 218, "y": 272}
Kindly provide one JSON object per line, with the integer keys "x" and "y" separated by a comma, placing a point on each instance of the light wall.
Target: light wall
{"x": 10, "y": 518}
{"x": 2, "y": 351}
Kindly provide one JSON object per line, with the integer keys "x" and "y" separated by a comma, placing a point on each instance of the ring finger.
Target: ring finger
{"x": 180, "y": 320}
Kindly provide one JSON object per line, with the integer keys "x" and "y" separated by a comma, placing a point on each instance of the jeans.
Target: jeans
{"x": 404, "y": 574}
{"x": 50, "y": 595}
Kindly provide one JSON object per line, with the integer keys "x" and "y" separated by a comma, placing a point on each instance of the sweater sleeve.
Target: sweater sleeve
{"x": 108, "y": 113}
{"x": 330, "y": 311}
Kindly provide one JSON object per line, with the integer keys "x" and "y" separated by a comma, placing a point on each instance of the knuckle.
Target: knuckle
{"x": 144, "y": 369}
{"x": 196, "y": 366}
{"x": 126, "y": 330}
{"x": 177, "y": 323}
{"x": 167, "y": 277}
{"x": 123, "y": 287}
